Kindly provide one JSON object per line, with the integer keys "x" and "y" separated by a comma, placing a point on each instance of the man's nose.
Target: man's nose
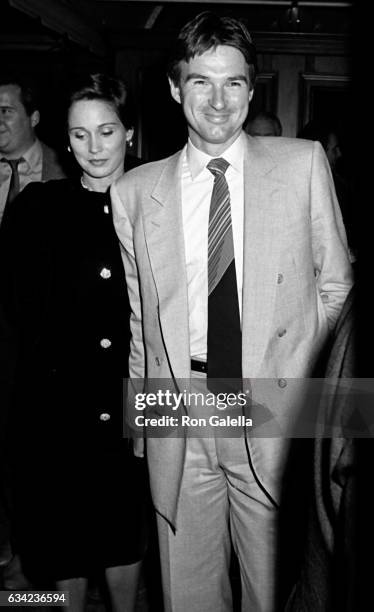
{"x": 217, "y": 99}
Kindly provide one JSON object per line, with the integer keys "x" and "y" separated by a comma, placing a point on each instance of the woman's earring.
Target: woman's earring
{"x": 69, "y": 149}
{"x": 129, "y": 137}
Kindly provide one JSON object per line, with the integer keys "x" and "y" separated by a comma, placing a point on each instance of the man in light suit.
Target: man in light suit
{"x": 291, "y": 276}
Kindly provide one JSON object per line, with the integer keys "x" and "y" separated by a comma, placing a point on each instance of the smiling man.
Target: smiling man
{"x": 237, "y": 268}
{"x": 214, "y": 89}
{"x": 23, "y": 157}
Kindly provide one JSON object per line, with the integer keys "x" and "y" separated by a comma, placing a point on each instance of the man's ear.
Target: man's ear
{"x": 175, "y": 91}
{"x": 35, "y": 118}
{"x": 250, "y": 96}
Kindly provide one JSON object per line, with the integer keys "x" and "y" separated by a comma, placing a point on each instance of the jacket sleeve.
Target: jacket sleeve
{"x": 329, "y": 242}
{"x": 124, "y": 229}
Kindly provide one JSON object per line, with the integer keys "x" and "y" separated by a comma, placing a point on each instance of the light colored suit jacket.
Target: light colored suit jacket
{"x": 296, "y": 276}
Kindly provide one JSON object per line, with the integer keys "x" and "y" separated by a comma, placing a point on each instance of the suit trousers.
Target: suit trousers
{"x": 220, "y": 502}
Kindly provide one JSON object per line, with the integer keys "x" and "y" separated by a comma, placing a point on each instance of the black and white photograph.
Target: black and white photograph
{"x": 186, "y": 383}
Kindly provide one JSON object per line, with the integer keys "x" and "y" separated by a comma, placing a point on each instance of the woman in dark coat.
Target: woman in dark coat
{"x": 80, "y": 494}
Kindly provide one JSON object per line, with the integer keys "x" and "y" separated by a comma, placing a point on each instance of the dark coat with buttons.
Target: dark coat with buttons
{"x": 79, "y": 495}
{"x": 65, "y": 314}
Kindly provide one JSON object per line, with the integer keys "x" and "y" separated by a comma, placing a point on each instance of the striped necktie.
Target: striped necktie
{"x": 224, "y": 333}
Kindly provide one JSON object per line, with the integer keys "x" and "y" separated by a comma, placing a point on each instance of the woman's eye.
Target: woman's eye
{"x": 79, "y": 135}
{"x": 107, "y": 133}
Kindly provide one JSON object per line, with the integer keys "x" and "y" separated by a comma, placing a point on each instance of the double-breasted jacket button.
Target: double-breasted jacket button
{"x": 104, "y": 416}
{"x": 324, "y": 298}
{"x": 105, "y": 273}
{"x": 282, "y": 383}
{"x": 281, "y": 333}
{"x": 106, "y": 209}
{"x": 280, "y": 278}
{"x": 105, "y": 343}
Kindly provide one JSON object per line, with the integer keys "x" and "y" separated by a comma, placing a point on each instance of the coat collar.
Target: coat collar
{"x": 167, "y": 188}
{"x": 165, "y": 242}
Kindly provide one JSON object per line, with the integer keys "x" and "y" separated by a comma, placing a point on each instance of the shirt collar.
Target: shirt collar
{"x": 197, "y": 160}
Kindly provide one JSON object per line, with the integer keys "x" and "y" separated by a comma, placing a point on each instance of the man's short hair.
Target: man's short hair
{"x": 268, "y": 117}
{"x": 28, "y": 91}
{"x": 207, "y": 31}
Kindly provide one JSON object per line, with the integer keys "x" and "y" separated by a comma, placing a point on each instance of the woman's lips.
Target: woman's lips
{"x": 98, "y": 162}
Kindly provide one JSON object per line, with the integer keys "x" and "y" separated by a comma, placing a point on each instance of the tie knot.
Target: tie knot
{"x": 13, "y": 163}
{"x": 218, "y": 166}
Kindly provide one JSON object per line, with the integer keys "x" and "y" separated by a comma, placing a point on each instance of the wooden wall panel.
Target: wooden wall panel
{"x": 144, "y": 68}
{"x": 288, "y": 68}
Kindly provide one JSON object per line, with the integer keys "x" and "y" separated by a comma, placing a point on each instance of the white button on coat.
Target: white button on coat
{"x": 105, "y": 273}
{"x": 105, "y": 416}
{"x": 105, "y": 343}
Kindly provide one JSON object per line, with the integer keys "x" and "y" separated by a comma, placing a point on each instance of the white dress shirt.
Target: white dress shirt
{"x": 197, "y": 187}
{"x": 29, "y": 170}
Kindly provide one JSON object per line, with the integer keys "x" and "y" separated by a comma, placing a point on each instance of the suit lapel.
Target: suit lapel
{"x": 165, "y": 243}
{"x": 263, "y": 220}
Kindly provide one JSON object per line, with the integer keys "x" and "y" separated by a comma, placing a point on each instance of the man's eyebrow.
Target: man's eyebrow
{"x": 195, "y": 75}
{"x": 239, "y": 77}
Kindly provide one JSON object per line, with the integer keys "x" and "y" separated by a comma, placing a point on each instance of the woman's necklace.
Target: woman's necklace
{"x": 84, "y": 185}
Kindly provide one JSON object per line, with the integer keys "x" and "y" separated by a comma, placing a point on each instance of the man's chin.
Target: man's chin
{"x": 213, "y": 138}
{"x": 3, "y": 145}
{"x": 218, "y": 135}
{"x": 221, "y": 137}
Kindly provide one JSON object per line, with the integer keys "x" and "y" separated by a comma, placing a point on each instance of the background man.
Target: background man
{"x": 217, "y": 291}
{"x": 327, "y": 134}
{"x": 264, "y": 124}
{"x": 23, "y": 158}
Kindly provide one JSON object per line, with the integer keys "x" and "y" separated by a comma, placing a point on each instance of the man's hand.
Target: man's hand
{"x": 139, "y": 447}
